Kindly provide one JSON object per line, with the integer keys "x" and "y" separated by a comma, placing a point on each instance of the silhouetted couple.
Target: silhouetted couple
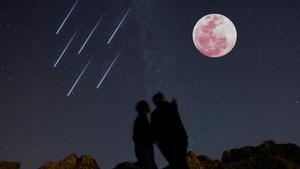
{"x": 165, "y": 129}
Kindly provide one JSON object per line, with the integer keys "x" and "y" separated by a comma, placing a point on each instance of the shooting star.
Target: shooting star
{"x": 66, "y": 18}
{"x": 106, "y": 73}
{"x": 63, "y": 52}
{"x": 88, "y": 38}
{"x": 118, "y": 27}
{"x": 74, "y": 85}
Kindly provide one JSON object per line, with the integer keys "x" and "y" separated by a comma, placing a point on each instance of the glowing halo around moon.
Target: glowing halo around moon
{"x": 214, "y": 35}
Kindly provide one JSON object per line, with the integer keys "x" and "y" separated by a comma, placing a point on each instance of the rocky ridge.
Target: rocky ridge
{"x": 72, "y": 162}
{"x": 10, "y": 165}
{"x": 268, "y": 155}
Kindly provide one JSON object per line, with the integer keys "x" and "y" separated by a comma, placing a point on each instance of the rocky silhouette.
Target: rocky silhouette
{"x": 9, "y": 165}
{"x": 268, "y": 155}
{"x": 72, "y": 162}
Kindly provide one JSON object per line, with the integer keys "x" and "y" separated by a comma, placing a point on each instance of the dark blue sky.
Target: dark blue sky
{"x": 249, "y": 96}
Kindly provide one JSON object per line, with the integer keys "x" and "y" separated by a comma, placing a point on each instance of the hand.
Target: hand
{"x": 174, "y": 100}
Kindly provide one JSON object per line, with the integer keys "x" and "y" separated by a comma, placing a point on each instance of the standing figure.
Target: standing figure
{"x": 142, "y": 137}
{"x": 169, "y": 133}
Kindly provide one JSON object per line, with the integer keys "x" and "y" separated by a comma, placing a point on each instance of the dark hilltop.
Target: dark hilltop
{"x": 268, "y": 155}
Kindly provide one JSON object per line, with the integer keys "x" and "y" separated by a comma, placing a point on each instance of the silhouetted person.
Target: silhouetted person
{"x": 143, "y": 138}
{"x": 169, "y": 133}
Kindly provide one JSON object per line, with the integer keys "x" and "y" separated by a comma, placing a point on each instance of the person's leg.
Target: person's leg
{"x": 145, "y": 156}
{"x": 165, "y": 150}
{"x": 182, "y": 151}
{"x": 178, "y": 157}
{"x": 174, "y": 156}
{"x": 150, "y": 157}
{"x": 139, "y": 155}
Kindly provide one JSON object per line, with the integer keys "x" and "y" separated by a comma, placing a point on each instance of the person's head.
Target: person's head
{"x": 158, "y": 98}
{"x": 142, "y": 107}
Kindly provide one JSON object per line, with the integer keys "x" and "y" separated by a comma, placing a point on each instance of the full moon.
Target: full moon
{"x": 214, "y": 35}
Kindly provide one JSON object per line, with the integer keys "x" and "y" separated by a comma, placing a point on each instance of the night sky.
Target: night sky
{"x": 249, "y": 96}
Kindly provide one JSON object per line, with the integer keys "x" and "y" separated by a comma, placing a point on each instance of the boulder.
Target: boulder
{"x": 72, "y": 162}
{"x": 10, "y": 165}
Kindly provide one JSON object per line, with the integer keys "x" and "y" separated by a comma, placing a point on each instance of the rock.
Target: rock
{"x": 201, "y": 162}
{"x": 267, "y": 155}
{"x": 10, "y": 165}
{"x": 73, "y": 162}
{"x": 193, "y": 161}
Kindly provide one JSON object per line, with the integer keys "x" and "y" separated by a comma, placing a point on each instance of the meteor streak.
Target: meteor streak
{"x": 57, "y": 32}
{"x": 88, "y": 38}
{"x": 63, "y": 52}
{"x": 118, "y": 27}
{"x": 74, "y": 85}
{"x": 106, "y": 73}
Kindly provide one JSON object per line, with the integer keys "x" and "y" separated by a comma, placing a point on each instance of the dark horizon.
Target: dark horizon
{"x": 244, "y": 98}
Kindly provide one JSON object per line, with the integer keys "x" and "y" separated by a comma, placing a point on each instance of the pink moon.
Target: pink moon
{"x": 214, "y": 35}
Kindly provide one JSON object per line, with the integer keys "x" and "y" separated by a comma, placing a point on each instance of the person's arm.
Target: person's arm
{"x": 134, "y": 134}
{"x": 152, "y": 129}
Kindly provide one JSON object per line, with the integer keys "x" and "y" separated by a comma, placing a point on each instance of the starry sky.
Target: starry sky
{"x": 249, "y": 96}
